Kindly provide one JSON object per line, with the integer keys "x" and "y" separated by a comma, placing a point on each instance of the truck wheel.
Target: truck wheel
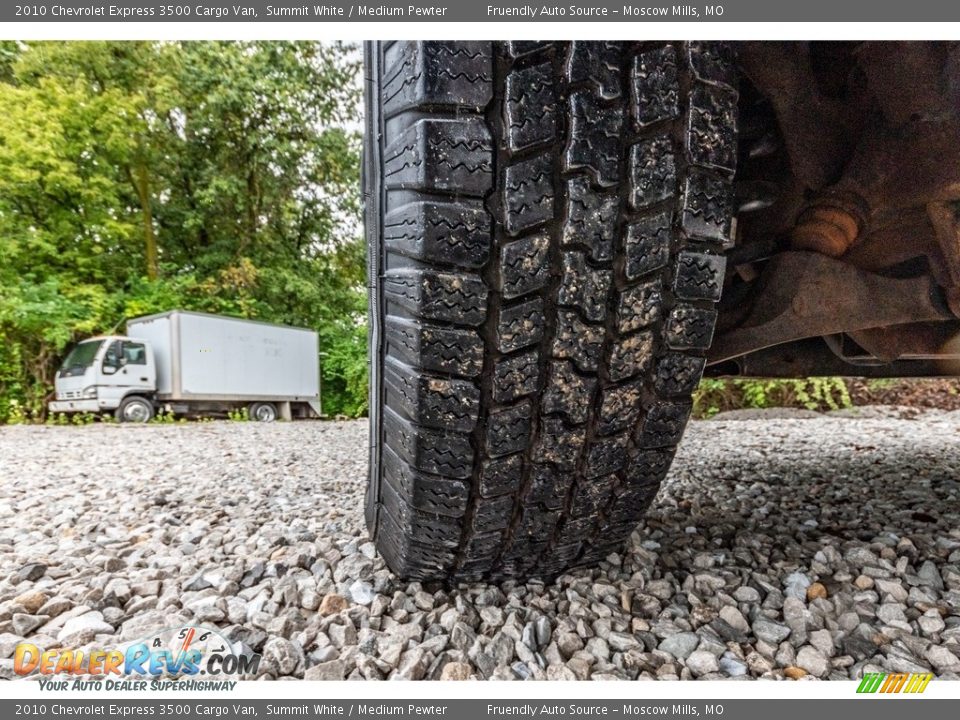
{"x": 135, "y": 409}
{"x": 546, "y": 223}
{"x": 263, "y": 412}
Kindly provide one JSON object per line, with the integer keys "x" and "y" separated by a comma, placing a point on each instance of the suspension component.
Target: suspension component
{"x": 830, "y": 225}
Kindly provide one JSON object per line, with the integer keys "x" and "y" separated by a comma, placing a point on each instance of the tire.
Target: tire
{"x": 263, "y": 412}
{"x": 135, "y": 409}
{"x": 546, "y": 224}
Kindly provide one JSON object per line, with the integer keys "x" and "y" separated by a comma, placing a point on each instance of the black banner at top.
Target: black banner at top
{"x": 636, "y": 11}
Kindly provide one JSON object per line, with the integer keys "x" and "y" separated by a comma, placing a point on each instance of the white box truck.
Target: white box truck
{"x": 193, "y": 363}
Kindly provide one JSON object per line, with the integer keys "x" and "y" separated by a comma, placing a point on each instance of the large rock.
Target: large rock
{"x": 332, "y": 604}
{"x": 769, "y": 631}
{"x": 456, "y": 671}
{"x": 702, "y": 662}
{"x": 84, "y": 626}
{"x": 331, "y": 670}
{"x": 813, "y": 661}
{"x": 680, "y": 645}
{"x": 285, "y": 655}
{"x": 31, "y": 601}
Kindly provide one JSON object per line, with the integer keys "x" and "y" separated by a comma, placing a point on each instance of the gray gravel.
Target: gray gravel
{"x": 781, "y": 546}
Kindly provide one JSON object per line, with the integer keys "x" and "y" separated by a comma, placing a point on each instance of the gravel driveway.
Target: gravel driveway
{"x": 820, "y": 547}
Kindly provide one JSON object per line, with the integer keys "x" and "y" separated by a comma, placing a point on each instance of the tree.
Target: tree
{"x": 137, "y": 177}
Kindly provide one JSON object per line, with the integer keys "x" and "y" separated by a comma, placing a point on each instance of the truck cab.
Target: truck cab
{"x": 101, "y": 373}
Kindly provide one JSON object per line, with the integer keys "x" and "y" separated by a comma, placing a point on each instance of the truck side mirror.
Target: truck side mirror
{"x": 109, "y": 369}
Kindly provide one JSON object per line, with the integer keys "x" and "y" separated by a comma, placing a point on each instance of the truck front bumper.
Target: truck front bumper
{"x": 74, "y": 406}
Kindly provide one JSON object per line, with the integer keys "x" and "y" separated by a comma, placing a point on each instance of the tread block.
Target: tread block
{"x": 647, "y": 467}
{"x": 655, "y": 87}
{"x": 619, "y": 407}
{"x": 699, "y": 276}
{"x": 451, "y": 297}
{"x": 597, "y": 63}
{"x": 525, "y": 265}
{"x": 567, "y": 391}
{"x": 690, "y": 328}
{"x": 707, "y": 207}
{"x": 647, "y": 245}
{"x": 591, "y": 219}
{"x": 639, "y": 306}
{"x": 548, "y": 486}
{"x": 508, "y": 429}
{"x": 663, "y": 424}
{"x": 653, "y": 172}
{"x": 431, "y": 529}
{"x": 528, "y": 194}
{"x": 501, "y": 477}
{"x": 530, "y": 107}
{"x": 614, "y": 535}
{"x": 435, "y": 348}
{"x": 560, "y": 557}
{"x": 414, "y": 559}
{"x": 559, "y": 444}
{"x": 575, "y": 528}
{"x": 520, "y": 559}
{"x": 453, "y": 156}
{"x": 431, "y": 494}
{"x": 631, "y": 355}
{"x": 520, "y": 325}
{"x": 455, "y": 233}
{"x": 432, "y": 451}
{"x": 518, "y": 48}
{"x": 678, "y": 374}
{"x": 629, "y": 501}
{"x": 606, "y": 456}
{"x": 624, "y": 510}
{"x": 493, "y": 514}
{"x": 576, "y": 340}
{"x": 481, "y": 551}
{"x": 437, "y": 73}
{"x": 712, "y": 128}
{"x": 484, "y": 545}
{"x": 535, "y": 528}
{"x": 594, "y": 141}
{"x": 514, "y": 377}
{"x": 436, "y": 402}
{"x": 590, "y": 496}
{"x": 584, "y": 287}
{"x": 713, "y": 62}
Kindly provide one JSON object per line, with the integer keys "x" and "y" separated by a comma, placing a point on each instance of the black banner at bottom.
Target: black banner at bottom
{"x": 893, "y": 707}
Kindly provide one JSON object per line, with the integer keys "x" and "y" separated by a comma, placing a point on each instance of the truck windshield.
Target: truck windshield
{"x": 82, "y": 355}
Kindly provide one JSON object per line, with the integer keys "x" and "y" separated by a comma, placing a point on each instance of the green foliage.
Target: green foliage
{"x": 165, "y": 418}
{"x": 816, "y": 393}
{"x": 139, "y": 177}
{"x": 15, "y": 413}
{"x": 238, "y": 415}
{"x": 879, "y": 384}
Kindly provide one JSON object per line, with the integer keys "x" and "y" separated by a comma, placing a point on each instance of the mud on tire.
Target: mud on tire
{"x": 546, "y": 225}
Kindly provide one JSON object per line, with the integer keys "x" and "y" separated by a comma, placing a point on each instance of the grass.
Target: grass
{"x": 719, "y": 395}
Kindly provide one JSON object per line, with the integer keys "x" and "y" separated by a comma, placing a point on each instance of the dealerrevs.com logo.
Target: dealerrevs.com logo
{"x": 184, "y": 658}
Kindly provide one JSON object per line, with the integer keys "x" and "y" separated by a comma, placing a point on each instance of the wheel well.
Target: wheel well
{"x": 849, "y": 171}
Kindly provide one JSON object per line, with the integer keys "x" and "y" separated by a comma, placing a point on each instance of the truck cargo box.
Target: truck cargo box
{"x": 212, "y": 357}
